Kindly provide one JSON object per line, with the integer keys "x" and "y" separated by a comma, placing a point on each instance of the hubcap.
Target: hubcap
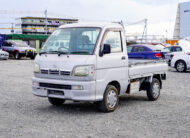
{"x": 111, "y": 98}
{"x": 180, "y": 66}
{"x": 156, "y": 89}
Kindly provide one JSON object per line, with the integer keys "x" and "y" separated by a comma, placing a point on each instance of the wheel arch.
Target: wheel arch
{"x": 116, "y": 84}
{"x": 16, "y": 51}
{"x": 180, "y": 60}
{"x": 158, "y": 76}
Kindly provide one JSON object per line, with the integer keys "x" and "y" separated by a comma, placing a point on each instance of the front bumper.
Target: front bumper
{"x": 86, "y": 94}
{"x": 28, "y": 54}
{"x": 4, "y": 56}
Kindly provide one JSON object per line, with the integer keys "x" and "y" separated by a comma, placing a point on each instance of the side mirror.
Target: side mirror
{"x": 106, "y": 49}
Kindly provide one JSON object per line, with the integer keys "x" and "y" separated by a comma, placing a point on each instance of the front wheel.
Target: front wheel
{"x": 153, "y": 91}
{"x": 110, "y": 100}
{"x": 17, "y": 55}
{"x": 56, "y": 101}
{"x": 32, "y": 57}
{"x": 180, "y": 66}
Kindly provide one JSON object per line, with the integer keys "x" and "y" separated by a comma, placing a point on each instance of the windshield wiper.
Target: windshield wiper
{"x": 48, "y": 52}
{"x": 42, "y": 53}
{"x": 80, "y": 52}
{"x": 60, "y": 53}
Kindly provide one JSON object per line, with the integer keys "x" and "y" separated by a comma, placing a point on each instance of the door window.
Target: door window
{"x": 113, "y": 38}
{"x": 138, "y": 49}
{"x": 177, "y": 49}
{"x": 129, "y": 49}
{"x": 167, "y": 49}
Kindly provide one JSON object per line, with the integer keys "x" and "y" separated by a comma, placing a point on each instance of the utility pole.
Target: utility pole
{"x": 12, "y": 28}
{"x": 166, "y": 34}
{"x": 146, "y": 23}
{"x": 46, "y": 28}
{"x": 145, "y": 30}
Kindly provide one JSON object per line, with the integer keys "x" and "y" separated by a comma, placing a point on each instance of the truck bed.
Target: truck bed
{"x": 143, "y": 68}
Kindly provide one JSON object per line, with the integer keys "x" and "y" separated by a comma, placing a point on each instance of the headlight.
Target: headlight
{"x": 84, "y": 70}
{"x": 36, "y": 68}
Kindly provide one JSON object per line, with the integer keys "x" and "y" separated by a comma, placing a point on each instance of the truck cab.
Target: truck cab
{"x": 90, "y": 65}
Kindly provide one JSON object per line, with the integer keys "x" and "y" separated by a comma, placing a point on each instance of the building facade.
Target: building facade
{"x": 182, "y": 24}
{"x": 37, "y": 25}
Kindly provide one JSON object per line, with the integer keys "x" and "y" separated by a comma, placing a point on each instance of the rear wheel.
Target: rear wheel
{"x": 17, "y": 55}
{"x": 181, "y": 66}
{"x": 56, "y": 101}
{"x": 153, "y": 91}
{"x": 110, "y": 100}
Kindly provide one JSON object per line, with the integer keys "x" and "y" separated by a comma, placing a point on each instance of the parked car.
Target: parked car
{"x": 3, "y": 54}
{"x": 145, "y": 51}
{"x": 181, "y": 62}
{"x": 171, "y": 50}
{"x": 18, "y": 49}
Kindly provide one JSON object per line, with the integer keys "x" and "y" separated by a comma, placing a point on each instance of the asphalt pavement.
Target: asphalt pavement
{"x": 24, "y": 115}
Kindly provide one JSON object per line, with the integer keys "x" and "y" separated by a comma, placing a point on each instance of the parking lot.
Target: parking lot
{"x": 25, "y": 115}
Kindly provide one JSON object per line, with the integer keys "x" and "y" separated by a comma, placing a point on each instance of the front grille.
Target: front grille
{"x": 54, "y": 72}
{"x": 43, "y": 71}
{"x": 56, "y": 86}
{"x": 67, "y": 73}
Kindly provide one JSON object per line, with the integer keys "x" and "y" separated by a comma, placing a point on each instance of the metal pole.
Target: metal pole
{"x": 146, "y": 20}
{"x": 46, "y": 29}
{"x": 12, "y": 28}
{"x": 144, "y": 35}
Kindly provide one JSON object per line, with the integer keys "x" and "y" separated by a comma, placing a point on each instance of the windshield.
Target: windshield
{"x": 72, "y": 41}
{"x": 19, "y": 43}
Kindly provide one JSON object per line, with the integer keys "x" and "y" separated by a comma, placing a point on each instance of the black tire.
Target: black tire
{"x": 153, "y": 91}
{"x": 180, "y": 66}
{"x": 17, "y": 55}
{"x": 104, "y": 105}
{"x": 56, "y": 101}
{"x": 32, "y": 57}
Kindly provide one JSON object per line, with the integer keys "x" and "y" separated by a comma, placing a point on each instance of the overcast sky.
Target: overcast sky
{"x": 161, "y": 14}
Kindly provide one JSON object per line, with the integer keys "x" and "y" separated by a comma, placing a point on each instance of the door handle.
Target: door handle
{"x": 123, "y": 58}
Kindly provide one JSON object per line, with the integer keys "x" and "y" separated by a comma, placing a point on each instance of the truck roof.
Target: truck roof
{"x": 92, "y": 24}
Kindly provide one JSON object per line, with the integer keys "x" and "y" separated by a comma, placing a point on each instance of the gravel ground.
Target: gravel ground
{"x": 24, "y": 115}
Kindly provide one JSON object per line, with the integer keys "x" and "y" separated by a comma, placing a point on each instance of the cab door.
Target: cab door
{"x": 112, "y": 66}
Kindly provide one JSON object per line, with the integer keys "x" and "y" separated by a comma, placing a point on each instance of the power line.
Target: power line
{"x": 20, "y": 12}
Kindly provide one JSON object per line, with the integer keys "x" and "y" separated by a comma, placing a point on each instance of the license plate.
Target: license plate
{"x": 55, "y": 92}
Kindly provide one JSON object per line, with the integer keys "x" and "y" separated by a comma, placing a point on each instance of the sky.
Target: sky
{"x": 161, "y": 14}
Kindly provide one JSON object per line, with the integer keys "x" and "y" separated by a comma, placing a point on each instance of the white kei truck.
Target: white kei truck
{"x": 89, "y": 62}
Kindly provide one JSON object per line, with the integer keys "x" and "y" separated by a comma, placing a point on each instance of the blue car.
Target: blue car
{"x": 143, "y": 51}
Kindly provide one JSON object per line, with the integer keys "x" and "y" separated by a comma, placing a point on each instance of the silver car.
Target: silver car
{"x": 3, "y": 54}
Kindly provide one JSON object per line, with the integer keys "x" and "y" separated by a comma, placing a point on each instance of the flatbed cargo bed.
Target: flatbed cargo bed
{"x": 143, "y": 68}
